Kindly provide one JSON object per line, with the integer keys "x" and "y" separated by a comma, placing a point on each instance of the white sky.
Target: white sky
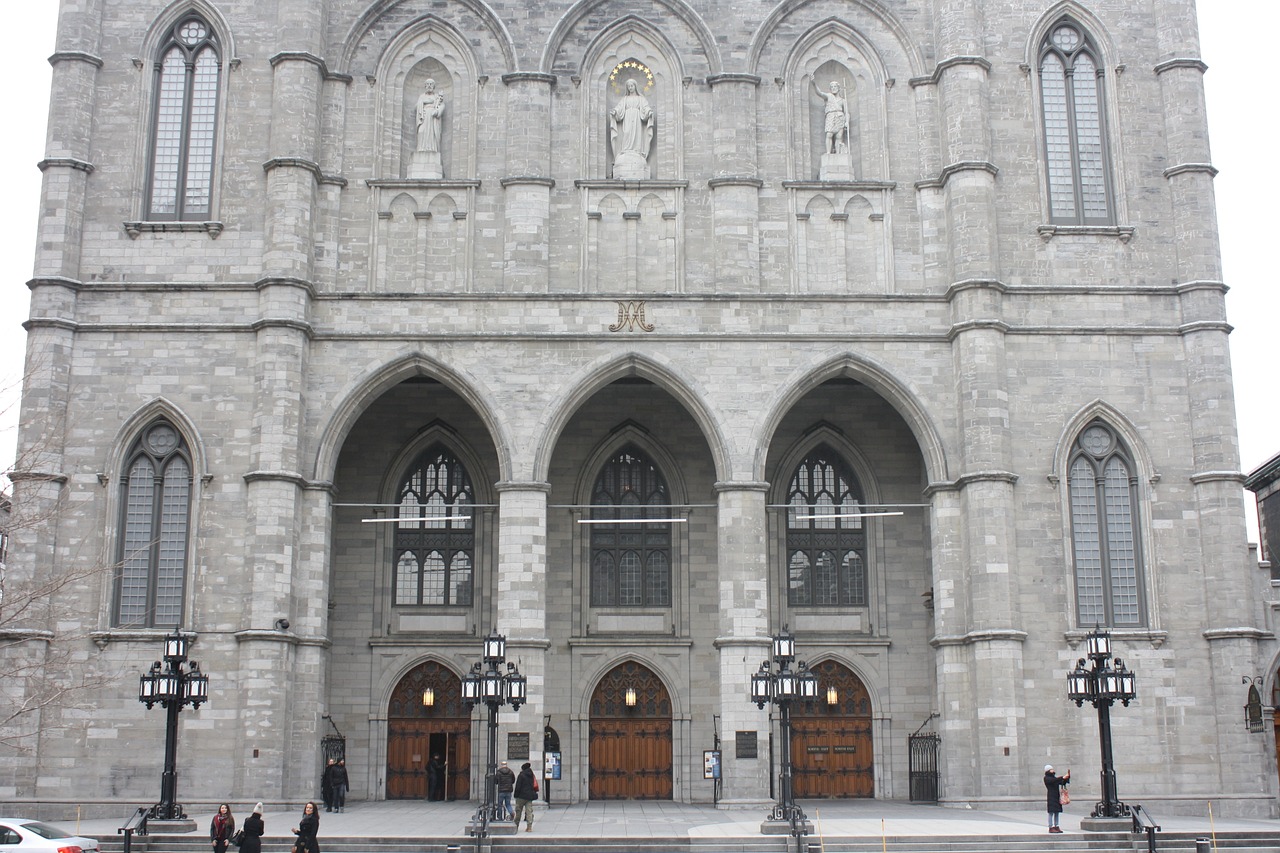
{"x": 1236, "y": 42}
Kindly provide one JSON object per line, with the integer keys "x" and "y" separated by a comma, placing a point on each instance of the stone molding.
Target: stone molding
{"x": 956, "y": 168}
{"x": 303, "y": 163}
{"x": 1191, "y": 168}
{"x": 75, "y": 56}
{"x": 714, "y": 80}
{"x": 135, "y": 228}
{"x": 1157, "y": 639}
{"x": 1181, "y": 62}
{"x": 1123, "y": 233}
{"x": 528, "y": 77}
{"x": 1233, "y": 477}
{"x": 66, "y": 162}
{"x": 987, "y": 635}
{"x": 309, "y": 57}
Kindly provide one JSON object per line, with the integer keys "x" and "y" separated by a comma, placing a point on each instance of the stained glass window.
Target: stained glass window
{"x": 435, "y": 535}
{"x": 156, "y": 514}
{"x": 1104, "y": 508}
{"x": 826, "y": 539}
{"x": 631, "y": 549}
{"x": 186, "y": 112}
{"x": 1071, "y": 92}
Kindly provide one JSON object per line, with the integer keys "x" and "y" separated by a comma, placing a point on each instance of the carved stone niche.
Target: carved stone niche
{"x": 841, "y": 239}
{"x": 633, "y": 240}
{"x": 422, "y": 237}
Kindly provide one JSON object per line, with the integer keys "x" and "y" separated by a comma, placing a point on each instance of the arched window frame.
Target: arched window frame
{"x": 437, "y": 528}
{"x": 184, "y": 123}
{"x": 154, "y": 529}
{"x": 1105, "y": 503}
{"x": 823, "y": 482}
{"x": 647, "y": 548}
{"x": 1074, "y": 127}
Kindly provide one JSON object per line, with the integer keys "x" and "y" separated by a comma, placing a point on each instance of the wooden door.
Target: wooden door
{"x": 831, "y": 746}
{"x": 416, "y": 730}
{"x": 630, "y": 744}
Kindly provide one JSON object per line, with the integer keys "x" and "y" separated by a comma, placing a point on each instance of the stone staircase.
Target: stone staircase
{"x": 1101, "y": 842}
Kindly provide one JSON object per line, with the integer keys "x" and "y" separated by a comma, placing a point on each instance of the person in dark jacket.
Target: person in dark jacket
{"x": 222, "y": 827}
{"x": 253, "y": 830}
{"x": 526, "y": 791}
{"x": 506, "y": 780}
{"x": 340, "y": 784}
{"x": 326, "y": 784}
{"x": 436, "y": 772}
{"x": 307, "y": 830}
{"x": 1053, "y": 796}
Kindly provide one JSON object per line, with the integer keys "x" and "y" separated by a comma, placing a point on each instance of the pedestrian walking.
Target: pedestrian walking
{"x": 308, "y": 830}
{"x": 340, "y": 785}
{"x": 326, "y": 784}
{"x": 506, "y": 780}
{"x": 526, "y": 791}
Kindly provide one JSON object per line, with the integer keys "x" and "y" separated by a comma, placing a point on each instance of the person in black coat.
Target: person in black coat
{"x": 253, "y": 830}
{"x": 326, "y": 784}
{"x": 526, "y": 792}
{"x": 1053, "y": 795}
{"x": 308, "y": 829}
{"x": 436, "y": 772}
{"x": 340, "y": 784}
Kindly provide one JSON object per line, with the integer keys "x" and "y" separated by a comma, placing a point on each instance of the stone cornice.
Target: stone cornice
{"x": 292, "y": 477}
{"x": 855, "y": 186}
{"x": 1191, "y": 169}
{"x": 311, "y": 58}
{"x": 137, "y": 635}
{"x": 990, "y": 635}
{"x": 136, "y": 228}
{"x": 522, "y": 486}
{"x": 422, "y": 183}
{"x": 1123, "y": 233}
{"x": 1157, "y": 639}
{"x": 285, "y": 281}
{"x": 976, "y": 325}
{"x": 25, "y": 635}
{"x": 1201, "y": 284}
{"x": 714, "y": 80}
{"x": 1205, "y": 326}
{"x": 633, "y": 640}
{"x": 528, "y": 77}
{"x": 946, "y": 64}
{"x": 1232, "y": 477}
{"x": 283, "y": 323}
{"x": 735, "y": 181}
{"x": 611, "y": 184}
{"x": 1240, "y": 633}
{"x": 526, "y": 181}
{"x": 956, "y": 168}
{"x": 957, "y": 287}
{"x": 722, "y": 486}
{"x": 1193, "y": 62}
{"x": 303, "y": 163}
{"x": 286, "y": 637}
{"x": 959, "y": 483}
{"x": 75, "y": 56}
{"x": 34, "y": 476}
{"x": 65, "y": 163}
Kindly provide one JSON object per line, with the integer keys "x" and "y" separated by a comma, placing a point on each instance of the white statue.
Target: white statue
{"x": 430, "y": 117}
{"x": 631, "y": 133}
{"x": 837, "y": 119}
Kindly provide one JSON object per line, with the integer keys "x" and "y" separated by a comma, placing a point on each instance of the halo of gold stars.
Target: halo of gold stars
{"x": 626, "y": 70}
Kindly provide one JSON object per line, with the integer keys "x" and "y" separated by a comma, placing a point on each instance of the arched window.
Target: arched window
{"x": 1072, "y": 103}
{"x": 826, "y": 555}
{"x": 180, "y": 183}
{"x": 1104, "y": 514}
{"x": 631, "y": 549}
{"x": 155, "y": 517}
{"x": 435, "y": 539}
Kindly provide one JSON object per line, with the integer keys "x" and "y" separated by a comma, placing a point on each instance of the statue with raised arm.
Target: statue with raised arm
{"x": 837, "y": 119}
{"x": 430, "y": 117}
{"x": 631, "y": 134}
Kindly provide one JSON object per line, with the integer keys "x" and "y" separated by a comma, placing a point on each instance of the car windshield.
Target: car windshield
{"x": 44, "y": 830}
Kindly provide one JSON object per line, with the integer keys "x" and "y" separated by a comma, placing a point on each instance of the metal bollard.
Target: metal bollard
{"x": 1202, "y": 845}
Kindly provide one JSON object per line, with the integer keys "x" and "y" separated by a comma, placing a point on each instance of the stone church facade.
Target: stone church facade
{"x": 637, "y": 331}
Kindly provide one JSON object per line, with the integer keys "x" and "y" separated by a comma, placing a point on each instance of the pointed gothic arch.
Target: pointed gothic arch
{"x": 831, "y": 739}
{"x": 426, "y": 717}
{"x": 630, "y": 740}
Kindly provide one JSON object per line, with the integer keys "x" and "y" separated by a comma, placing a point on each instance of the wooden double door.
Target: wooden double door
{"x": 831, "y": 744}
{"x": 426, "y": 717}
{"x": 630, "y": 736}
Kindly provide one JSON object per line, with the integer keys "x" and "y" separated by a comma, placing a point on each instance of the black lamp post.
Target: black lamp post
{"x": 781, "y": 685}
{"x": 487, "y": 683}
{"x": 1102, "y": 685}
{"x": 174, "y": 688}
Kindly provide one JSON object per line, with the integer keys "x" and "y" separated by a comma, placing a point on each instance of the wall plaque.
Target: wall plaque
{"x": 745, "y": 743}
{"x": 517, "y": 746}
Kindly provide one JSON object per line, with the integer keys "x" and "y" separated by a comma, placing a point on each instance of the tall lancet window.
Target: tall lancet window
{"x": 152, "y": 561}
{"x": 1104, "y": 525}
{"x": 826, "y": 540}
{"x": 631, "y": 538}
{"x": 435, "y": 540}
{"x": 1075, "y": 133}
{"x": 180, "y": 184}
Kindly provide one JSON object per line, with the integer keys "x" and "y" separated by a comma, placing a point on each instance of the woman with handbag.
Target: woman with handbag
{"x": 1055, "y": 788}
{"x": 252, "y": 832}
{"x": 308, "y": 829}
{"x": 222, "y": 828}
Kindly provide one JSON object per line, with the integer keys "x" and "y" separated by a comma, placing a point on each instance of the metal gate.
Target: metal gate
{"x": 924, "y": 766}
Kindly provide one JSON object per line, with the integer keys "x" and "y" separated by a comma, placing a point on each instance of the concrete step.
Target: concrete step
{"x": 1103, "y": 842}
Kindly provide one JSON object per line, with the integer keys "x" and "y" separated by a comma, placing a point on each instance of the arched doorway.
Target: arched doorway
{"x": 426, "y": 717}
{"x": 630, "y": 747}
{"x": 831, "y": 754}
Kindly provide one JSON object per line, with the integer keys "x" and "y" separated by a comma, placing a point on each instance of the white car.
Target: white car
{"x": 18, "y": 834}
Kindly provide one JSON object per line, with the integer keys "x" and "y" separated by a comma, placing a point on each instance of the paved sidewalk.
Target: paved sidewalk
{"x": 641, "y": 819}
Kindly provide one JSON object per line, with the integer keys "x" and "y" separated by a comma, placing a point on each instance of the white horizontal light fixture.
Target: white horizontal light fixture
{"x": 845, "y": 515}
{"x": 633, "y": 521}
{"x": 409, "y": 519}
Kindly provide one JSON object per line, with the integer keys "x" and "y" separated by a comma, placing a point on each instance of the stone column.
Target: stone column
{"x": 982, "y": 658}
{"x": 528, "y": 183}
{"x": 283, "y": 584}
{"x": 1216, "y": 482}
{"x": 520, "y": 604}
{"x": 735, "y": 188}
{"x": 743, "y": 641}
